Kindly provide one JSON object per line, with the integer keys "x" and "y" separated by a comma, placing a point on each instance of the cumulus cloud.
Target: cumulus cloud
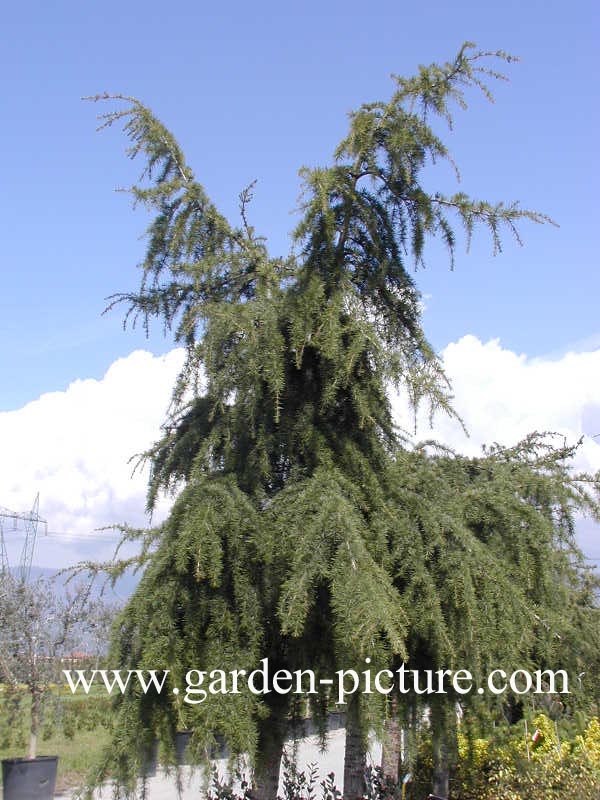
{"x": 73, "y": 447}
{"x": 501, "y": 396}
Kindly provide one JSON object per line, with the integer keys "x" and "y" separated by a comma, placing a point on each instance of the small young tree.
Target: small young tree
{"x": 38, "y": 626}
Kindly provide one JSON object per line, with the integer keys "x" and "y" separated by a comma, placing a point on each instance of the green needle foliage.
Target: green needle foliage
{"x": 305, "y": 530}
{"x": 488, "y": 566}
{"x": 485, "y": 549}
{"x": 295, "y": 350}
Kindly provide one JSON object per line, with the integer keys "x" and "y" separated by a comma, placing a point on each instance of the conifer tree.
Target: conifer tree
{"x": 487, "y": 562}
{"x": 304, "y": 530}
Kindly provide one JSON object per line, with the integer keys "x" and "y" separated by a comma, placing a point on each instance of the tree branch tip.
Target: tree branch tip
{"x": 95, "y": 98}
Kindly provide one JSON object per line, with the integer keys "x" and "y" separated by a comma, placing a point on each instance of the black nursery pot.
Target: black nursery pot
{"x": 220, "y": 749}
{"x": 150, "y": 760}
{"x": 29, "y": 778}
{"x": 182, "y": 739}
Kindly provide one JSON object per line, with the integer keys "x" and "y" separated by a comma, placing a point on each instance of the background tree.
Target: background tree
{"x": 281, "y": 436}
{"x": 38, "y": 627}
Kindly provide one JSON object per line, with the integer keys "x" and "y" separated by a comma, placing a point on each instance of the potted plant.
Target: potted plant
{"x": 38, "y": 627}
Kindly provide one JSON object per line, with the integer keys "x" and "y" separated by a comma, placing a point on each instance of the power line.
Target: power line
{"x": 96, "y": 535}
{"x": 92, "y": 535}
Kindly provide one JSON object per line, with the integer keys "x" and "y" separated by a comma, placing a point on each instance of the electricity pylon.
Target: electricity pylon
{"x": 19, "y": 522}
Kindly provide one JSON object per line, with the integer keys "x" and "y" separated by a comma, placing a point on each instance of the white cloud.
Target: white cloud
{"x": 73, "y": 447}
{"x": 502, "y": 396}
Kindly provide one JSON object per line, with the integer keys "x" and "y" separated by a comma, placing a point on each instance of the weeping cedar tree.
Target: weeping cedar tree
{"x": 305, "y": 531}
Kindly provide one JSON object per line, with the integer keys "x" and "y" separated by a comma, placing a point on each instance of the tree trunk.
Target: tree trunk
{"x": 35, "y": 719}
{"x": 355, "y": 755}
{"x": 441, "y": 769}
{"x": 270, "y": 749}
{"x": 443, "y": 723}
{"x": 391, "y": 745}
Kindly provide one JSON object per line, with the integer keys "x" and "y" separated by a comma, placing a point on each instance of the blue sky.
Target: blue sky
{"x": 255, "y": 91}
